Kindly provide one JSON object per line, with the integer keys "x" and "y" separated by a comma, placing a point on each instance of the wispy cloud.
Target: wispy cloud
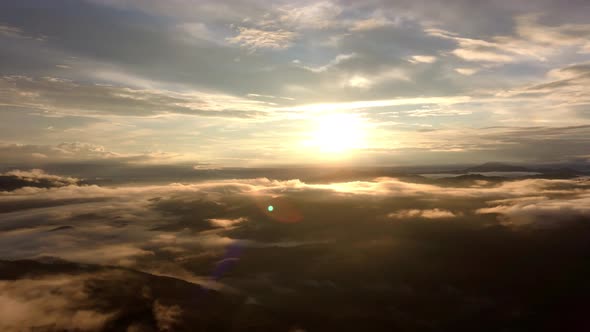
{"x": 532, "y": 41}
{"x": 62, "y": 96}
{"x": 379, "y": 103}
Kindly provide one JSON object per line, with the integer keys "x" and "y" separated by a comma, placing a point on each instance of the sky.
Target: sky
{"x": 251, "y": 83}
{"x": 162, "y": 165}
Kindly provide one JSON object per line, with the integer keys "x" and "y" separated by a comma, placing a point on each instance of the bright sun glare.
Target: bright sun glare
{"x": 337, "y": 133}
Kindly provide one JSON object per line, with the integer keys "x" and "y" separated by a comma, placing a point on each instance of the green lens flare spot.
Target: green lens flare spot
{"x": 270, "y": 208}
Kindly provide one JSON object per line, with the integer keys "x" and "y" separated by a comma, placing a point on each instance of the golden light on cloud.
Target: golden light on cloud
{"x": 364, "y": 104}
{"x": 336, "y": 134}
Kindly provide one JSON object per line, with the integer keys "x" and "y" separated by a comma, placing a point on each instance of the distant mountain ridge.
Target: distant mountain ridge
{"x": 553, "y": 171}
{"x": 497, "y": 167}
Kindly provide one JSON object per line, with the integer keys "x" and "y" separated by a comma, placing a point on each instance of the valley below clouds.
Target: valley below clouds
{"x": 408, "y": 252}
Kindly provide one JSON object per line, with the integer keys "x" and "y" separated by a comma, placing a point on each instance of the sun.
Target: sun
{"x": 337, "y": 133}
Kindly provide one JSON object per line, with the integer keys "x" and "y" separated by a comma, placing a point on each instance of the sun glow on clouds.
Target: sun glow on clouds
{"x": 362, "y": 104}
{"x": 336, "y": 134}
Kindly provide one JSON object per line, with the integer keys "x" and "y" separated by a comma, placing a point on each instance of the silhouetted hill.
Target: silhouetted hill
{"x": 131, "y": 298}
{"x": 9, "y": 183}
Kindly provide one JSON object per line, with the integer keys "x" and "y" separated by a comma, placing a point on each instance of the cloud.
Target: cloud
{"x": 575, "y": 35}
{"x": 470, "y": 52}
{"x": 9, "y": 31}
{"x": 316, "y": 15}
{"x": 263, "y": 186}
{"x": 17, "y": 33}
{"x": 254, "y": 38}
{"x": 56, "y": 96}
{"x": 166, "y": 316}
{"x": 51, "y": 294}
{"x": 423, "y": 59}
{"x": 53, "y": 302}
{"x": 196, "y": 30}
{"x": 379, "y": 103}
{"x": 371, "y": 23}
{"x": 428, "y": 214}
{"x": 37, "y": 177}
{"x": 115, "y": 254}
{"x": 540, "y": 143}
{"x": 559, "y": 96}
{"x": 532, "y": 41}
{"x": 320, "y": 235}
{"x": 226, "y": 222}
{"x": 436, "y": 111}
{"x": 27, "y": 154}
{"x": 359, "y": 82}
{"x": 540, "y": 210}
{"x": 390, "y": 74}
{"x": 340, "y": 58}
{"x": 466, "y": 71}
{"x": 569, "y": 83}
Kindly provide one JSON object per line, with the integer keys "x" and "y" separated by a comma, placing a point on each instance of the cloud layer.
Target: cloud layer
{"x": 382, "y": 238}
